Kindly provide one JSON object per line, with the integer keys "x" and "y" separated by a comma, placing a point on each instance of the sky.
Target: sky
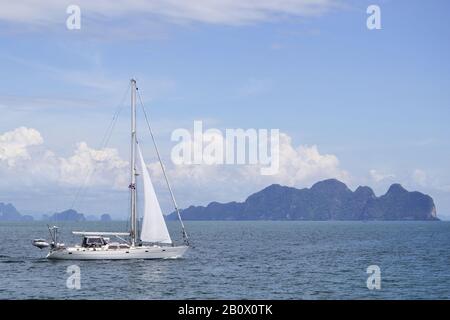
{"x": 369, "y": 107}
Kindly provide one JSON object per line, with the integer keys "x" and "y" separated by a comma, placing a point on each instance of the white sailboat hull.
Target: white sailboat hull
{"x": 144, "y": 252}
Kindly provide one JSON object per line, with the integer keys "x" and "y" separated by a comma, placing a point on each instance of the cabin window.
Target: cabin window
{"x": 93, "y": 242}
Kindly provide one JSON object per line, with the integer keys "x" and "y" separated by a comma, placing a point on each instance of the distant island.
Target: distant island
{"x": 326, "y": 200}
{"x": 9, "y": 213}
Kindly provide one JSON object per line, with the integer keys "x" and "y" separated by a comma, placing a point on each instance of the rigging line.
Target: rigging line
{"x": 105, "y": 140}
{"x": 82, "y": 190}
{"x": 119, "y": 109}
{"x": 185, "y": 236}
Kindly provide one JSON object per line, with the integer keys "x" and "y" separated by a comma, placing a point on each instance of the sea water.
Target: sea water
{"x": 242, "y": 260}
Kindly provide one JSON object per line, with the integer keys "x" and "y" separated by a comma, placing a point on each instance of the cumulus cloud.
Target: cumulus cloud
{"x": 194, "y": 184}
{"x": 227, "y": 12}
{"x": 101, "y": 166}
{"x": 299, "y": 166}
{"x": 305, "y": 164}
{"x": 86, "y": 165}
{"x": 15, "y": 144}
{"x": 378, "y": 176}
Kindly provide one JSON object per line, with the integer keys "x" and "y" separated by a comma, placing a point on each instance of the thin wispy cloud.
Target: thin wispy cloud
{"x": 38, "y": 104}
{"x": 91, "y": 76}
{"x": 226, "y": 12}
{"x": 255, "y": 86}
{"x": 94, "y": 79}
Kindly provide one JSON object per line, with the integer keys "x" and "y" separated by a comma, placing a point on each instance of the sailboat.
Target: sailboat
{"x": 153, "y": 241}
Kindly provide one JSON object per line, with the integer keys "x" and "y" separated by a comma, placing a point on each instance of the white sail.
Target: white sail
{"x": 154, "y": 227}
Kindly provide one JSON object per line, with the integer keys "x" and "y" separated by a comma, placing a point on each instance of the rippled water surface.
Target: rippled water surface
{"x": 243, "y": 260}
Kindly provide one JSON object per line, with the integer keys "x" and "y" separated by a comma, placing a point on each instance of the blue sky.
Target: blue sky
{"x": 376, "y": 100}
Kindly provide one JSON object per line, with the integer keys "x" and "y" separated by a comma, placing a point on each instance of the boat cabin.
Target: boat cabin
{"x": 93, "y": 241}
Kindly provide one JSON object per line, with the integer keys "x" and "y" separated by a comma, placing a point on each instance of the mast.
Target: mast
{"x": 133, "y": 165}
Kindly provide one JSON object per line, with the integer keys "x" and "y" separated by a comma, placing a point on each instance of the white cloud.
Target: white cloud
{"x": 14, "y": 144}
{"x": 105, "y": 170}
{"x": 419, "y": 177}
{"x": 86, "y": 165}
{"x": 380, "y": 176}
{"x": 227, "y": 12}
{"x": 305, "y": 164}
{"x": 298, "y": 166}
{"x": 96, "y": 167}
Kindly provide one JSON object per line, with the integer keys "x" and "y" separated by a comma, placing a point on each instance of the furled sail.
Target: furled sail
{"x": 154, "y": 227}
